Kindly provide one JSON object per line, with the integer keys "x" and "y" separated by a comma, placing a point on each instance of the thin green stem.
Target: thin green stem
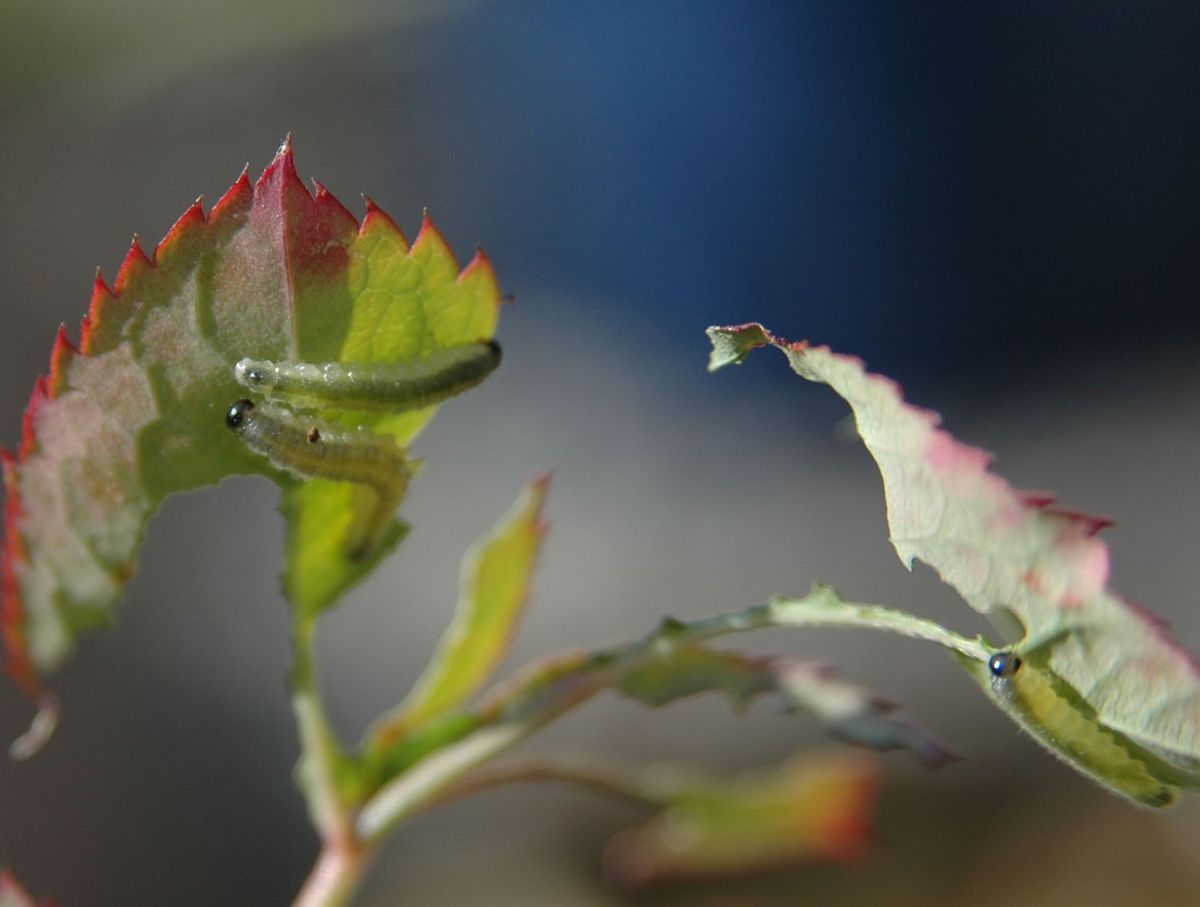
{"x": 518, "y": 707}
{"x": 319, "y": 750}
{"x": 344, "y": 858}
{"x": 603, "y": 779}
{"x": 417, "y": 788}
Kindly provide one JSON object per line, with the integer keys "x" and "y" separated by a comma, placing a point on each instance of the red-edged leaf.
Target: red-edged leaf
{"x": 136, "y": 413}
{"x": 816, "y": 808}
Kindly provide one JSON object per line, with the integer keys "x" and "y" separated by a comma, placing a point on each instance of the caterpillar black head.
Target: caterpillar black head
{"x": 236, "y": 417}
{"x": 254, "y": 373}
{"x": 1004, "y": 664}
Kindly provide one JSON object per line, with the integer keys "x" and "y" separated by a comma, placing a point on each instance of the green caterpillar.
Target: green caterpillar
{"x": 391, "y": 387}
{"x": 312, "y": 449}
{"x": 1063, "y": 723}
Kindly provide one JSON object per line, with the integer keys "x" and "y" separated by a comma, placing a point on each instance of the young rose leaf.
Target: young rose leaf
{"x": 816, "y": 808}
{"x": 496, "y": 577}
{"x": 1012, "y": 553}
{"x": 664, "y": 666}
{"x": 811, "y": 808}
{"x": 848, "y": 712}
{"x": 137, "y": 412}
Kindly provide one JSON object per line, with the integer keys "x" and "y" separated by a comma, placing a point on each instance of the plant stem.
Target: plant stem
{"x": 516, "y": 709}
{"x": 600, "y": 778}
{"x": 417, "y": 788}
{"x": 319, "y": 751}
{"x": 335, "y": 877}
{"x": 541, "y": 692}
{"x": 343, "y": 859}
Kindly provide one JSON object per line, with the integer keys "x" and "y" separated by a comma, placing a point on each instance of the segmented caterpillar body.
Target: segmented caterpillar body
{"x": 1062, "y": 722}
{"x": 391, "y": 387}
{"x": 312, "y": 449}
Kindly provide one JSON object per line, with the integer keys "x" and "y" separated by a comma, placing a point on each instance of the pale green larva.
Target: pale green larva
{"x": 315, "y": 450}
{"x": 391, "y": 387}
{"x": 1062, "y": 722}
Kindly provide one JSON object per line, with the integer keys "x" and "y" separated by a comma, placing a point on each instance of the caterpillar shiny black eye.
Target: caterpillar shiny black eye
{"x": 1004, "y": 664}
{"x": 311, "y": 450}
{"x": 254, "y": 377}
{"x": 236, "y": 417}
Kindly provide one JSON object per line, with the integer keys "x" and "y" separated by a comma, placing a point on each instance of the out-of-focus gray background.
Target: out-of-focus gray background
{"x": 994, "y": 203}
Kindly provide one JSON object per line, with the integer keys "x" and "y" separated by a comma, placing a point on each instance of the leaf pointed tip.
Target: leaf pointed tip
{"x": 62, "y": 341}
{"x": 731, "y": 344}
{"x": 102, "y": 298}
{"x": 332, "y": 205}
{"x": 1090, "y": 524}
{"x": 539, "y": 489}
{"x": 135, "y": 264}
{"x": 377, "y": 218}
{"x": 429, "y": 239}
{"x": 60, "y": 359}
{"x": 192, "y": 220}
{"x": 283, "y": 167}
{"x": 480, "y": 268}
{"x": 37, "y": 398}
{"x": 41, "y": 729}
{"x": 236, "y": 197}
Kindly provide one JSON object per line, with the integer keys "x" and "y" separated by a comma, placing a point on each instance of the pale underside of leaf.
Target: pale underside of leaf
{"x": 1008, "y": 551}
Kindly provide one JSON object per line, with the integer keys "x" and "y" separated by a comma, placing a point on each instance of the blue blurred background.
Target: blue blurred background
{"x": 994, "y": 203}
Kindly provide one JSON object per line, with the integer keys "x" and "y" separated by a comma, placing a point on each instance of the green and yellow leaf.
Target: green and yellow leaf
{"x": 135, "y": 412}
{"x": 496, "y": 577}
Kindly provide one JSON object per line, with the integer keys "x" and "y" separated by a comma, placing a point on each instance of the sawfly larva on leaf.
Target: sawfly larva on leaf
{"x": 315, "y": 450}
{"x": 1059, "y": 718}
{"x": 377, "y": 387}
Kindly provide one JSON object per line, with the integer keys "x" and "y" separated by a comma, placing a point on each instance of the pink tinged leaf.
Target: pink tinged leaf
{"x": 1005, "y": 550}
{"x": 813, "y": 809}
{"x": 135, "y": 412}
